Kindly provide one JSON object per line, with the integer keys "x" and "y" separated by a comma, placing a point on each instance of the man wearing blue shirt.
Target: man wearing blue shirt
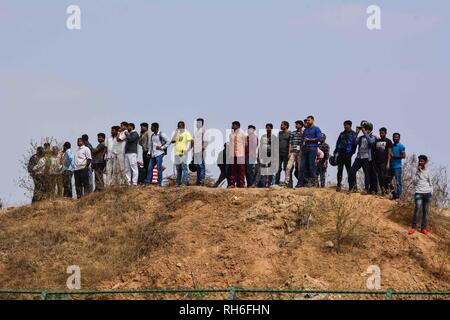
{"x": 68, "y": 168}
{"x": 308, "y": 167}
{"x": 398, "y": 154}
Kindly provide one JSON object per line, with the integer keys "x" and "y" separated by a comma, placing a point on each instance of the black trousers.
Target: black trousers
{"x": 67, "y": 184}
{"x": 373, "y": 181}
{"x": 358, "y": 164}
{"x": 382, "y": 176}
{"x": 146, "y": 161}
{"x": 82, "y": 185}
{"x": 223, "y": 174}
{"x": 344, "y": 161}
{"x": 283, "y": 161}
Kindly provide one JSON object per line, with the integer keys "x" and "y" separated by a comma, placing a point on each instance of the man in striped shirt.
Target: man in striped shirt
{"x": 295, "y": 152}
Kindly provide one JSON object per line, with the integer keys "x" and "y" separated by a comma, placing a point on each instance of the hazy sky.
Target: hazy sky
{"x": 256, "y": 61}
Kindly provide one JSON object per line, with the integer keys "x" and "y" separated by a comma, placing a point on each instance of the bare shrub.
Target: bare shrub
{"x": 304, "y": 215}
{"x": 348, "y": 221}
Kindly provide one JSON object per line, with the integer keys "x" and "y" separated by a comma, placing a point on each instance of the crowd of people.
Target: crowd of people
{"x": 246, "y": 160}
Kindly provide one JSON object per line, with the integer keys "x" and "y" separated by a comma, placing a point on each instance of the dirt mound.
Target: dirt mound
{"x": 196, "y": 237}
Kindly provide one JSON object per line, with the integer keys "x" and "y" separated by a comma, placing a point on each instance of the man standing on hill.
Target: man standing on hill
{"x": 37, "y": 172}
{"x": 183, "y": 142}
{"x": 251, "y": 156}
{"x": 159, "y": 142}
{"x": 398, "y": 154}
{"x": 284, "y": 137}
{"x": 322, "y": 164}
{"x": 268, "y": 157}
{"x": 236, "y": 156}
{"x": 99, "y": 162}
{"x": 363, "y": 157}
{"x": 295, "y": 152}
{"x": 144, "y": 142}
{"x": 85, "y": 138}
{"x": 131, "y": 153}
{"x": 68, "y": 168}
{"x": 308, "y": 168}
{"x": 83, "y": 160}
{"x": 115, "y": 159}
{"x": 382, "y": 160}
{"x": 200, "y": 144}
{"x": 345, "y": 148}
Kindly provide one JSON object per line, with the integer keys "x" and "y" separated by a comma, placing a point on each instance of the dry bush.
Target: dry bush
{"x": 348, "y": 221}
{"x": 304, "y": 216}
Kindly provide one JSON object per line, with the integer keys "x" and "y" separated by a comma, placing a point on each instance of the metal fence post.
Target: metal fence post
{"x": 232, "y": 293}
{"x": 389, "y": 293}
{"x": 44, "y": 295}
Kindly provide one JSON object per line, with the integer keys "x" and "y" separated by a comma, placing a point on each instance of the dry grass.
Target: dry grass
{"x": 105, "y": 234}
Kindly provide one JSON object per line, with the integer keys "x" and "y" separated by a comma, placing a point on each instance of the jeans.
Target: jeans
{"x": 373, "y": 181}
{"x": 308, "y": 167}
{"x": 397, "y": 173}
{"x": 182, "y": 170}
{"x": 358, "y": 164}
{"x": 344, "y": 161}
{"x": 249, "y": 173}
{"x": 294, "y": 160}
{"x": 199, "y": 160}
{"x": 321, "y": 173}
{"x": 155, "y": 161}
{"x": 422, "y": 200}
{"x": 283, "y": 161}
{"x": 82, "y": 183}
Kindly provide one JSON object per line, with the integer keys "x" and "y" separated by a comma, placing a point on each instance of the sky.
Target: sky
{"x": 255, "y": 61}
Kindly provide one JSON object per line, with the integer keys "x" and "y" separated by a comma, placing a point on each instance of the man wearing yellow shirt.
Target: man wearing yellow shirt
{"x": 183, "y": 143}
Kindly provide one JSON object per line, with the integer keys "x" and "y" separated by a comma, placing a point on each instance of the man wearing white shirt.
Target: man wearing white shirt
{"x": 83, "y": 160}
{"x": 115, "y": 159}
{"x": 200, "y": 144}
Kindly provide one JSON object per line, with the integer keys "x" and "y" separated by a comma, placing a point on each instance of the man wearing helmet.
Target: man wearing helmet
{"x": 364, "y": 155}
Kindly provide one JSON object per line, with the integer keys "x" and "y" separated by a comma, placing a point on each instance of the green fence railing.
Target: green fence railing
{"x": 231, "y": 292}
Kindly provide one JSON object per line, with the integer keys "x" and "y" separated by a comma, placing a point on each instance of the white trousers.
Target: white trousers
{"x": 131, "y": 168}
{"x": 115, "y": 169}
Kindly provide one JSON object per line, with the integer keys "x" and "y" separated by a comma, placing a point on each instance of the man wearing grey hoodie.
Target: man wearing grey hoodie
{"x": 363, "y": 157}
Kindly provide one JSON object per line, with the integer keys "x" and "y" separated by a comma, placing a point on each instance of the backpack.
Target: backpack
{"x": 163, "y": 141}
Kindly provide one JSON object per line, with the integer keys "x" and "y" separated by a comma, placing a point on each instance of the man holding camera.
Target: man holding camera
{"x": 364, "y": 155}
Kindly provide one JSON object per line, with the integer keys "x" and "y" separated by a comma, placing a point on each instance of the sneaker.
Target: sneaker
{"x": 424, "y": 231}
{"x": 338, "y": 189}
{"x": 411, "y": 231}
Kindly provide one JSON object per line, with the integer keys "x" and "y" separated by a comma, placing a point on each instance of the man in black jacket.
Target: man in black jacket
{"x": 344, "y": 152}
{"x": 131, "y": 153}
